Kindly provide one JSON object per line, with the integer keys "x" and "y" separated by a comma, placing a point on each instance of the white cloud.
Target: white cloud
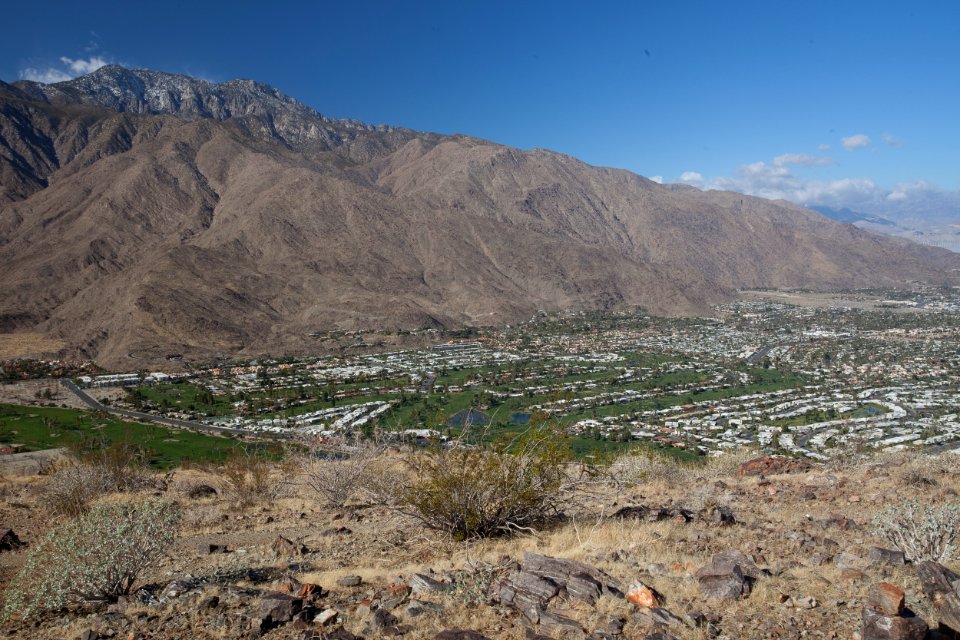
{"x": 855, "y": 142}
{"x": 691, "y": 177}
{"x": 657, "y": 179}
{"x": 46, "y": 76}
{"x": 775, "y": 181}
{"x": 71, "y": 69}
{"x": 81, "y": 67}
{"x": 802, "y": 159}
{"x": 920, "y": 203}
{"x": 823, "y": 147}
{"x": 904, "y": 191}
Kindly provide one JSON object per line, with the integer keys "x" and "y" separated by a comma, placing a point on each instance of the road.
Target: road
{"x": 169, "y": 422}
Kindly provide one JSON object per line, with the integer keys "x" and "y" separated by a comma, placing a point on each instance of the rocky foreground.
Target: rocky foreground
{"x": 767, "y": 549}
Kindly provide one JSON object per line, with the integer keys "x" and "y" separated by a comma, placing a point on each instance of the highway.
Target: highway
{"x": 169, "y": 422}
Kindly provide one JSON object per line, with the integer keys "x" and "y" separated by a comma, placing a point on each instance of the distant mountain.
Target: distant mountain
{"x": 144, "y": 213}
{"x": 940, "y": 230}
{"x": 851, "y": 217}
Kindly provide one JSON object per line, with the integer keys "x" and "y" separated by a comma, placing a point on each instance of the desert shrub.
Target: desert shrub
{"x": 249, "y": 477}
{"x": 122, "y": 461}
{"x": 74, "y": 486}
{"x": 94, "y": 469}
{"x": 642, "y": 465}
{"x": 482, "y": 492}
{"x": 335, "y": 479}
{"x": 922, "y": 532}
{"x": 96, "y": 556}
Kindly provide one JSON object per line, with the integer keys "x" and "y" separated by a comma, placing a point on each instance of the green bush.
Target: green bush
{"x": 483, "y": 492}
{"x": 93, "y": 557}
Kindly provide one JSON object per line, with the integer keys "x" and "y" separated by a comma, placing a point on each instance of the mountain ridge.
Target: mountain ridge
{"x": 149, "y": 233}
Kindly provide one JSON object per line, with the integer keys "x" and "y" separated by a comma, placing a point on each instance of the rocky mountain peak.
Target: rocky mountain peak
{"x": 156, "y": 92}
{"x": 260, "y": 109}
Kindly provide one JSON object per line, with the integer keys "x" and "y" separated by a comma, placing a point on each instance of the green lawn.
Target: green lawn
{"x": 38, "y": 428}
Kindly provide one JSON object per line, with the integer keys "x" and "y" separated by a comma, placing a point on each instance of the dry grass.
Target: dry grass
{"x": 28, "y": 345}
{"x": 383, "y": 545}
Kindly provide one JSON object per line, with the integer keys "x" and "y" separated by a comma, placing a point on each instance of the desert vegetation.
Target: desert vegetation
{"x": 381, "y": 539}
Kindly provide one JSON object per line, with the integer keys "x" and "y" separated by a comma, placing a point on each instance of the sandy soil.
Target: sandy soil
{"x": 25, "y": 393}
{"x": 28, "y": 345}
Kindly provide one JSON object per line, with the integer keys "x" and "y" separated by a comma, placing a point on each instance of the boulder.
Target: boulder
{"x": 383, "y": 619}
{"x": 717, "y": 584}
{"x": 542, "y": 578}
{"x": 423, "y": 583}
{"x": 729, "y": 576}
{"x": 878, "y": 557}
{"x": 554, "y": 619}
{"x": 279, "y": 608}
{"x": 887, "y": 599}
{"x": 564, "y": 572}
{"x": 528, "y": 593}
{"x": 938, "y": 584}
{"x": 880, "y": 626}
{"x": 350, "y": 581}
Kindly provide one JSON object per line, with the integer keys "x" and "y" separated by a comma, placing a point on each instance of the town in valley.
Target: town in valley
{"x": 798, "y": 373}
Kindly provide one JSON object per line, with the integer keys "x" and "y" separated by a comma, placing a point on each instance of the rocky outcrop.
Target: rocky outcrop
{"x": 729, "y": 576}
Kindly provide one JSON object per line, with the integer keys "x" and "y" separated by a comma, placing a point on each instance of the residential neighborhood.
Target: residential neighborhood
{"x": 866, "y": 370}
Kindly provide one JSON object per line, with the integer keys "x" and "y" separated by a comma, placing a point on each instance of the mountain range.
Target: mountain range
{"x": 144, "y": 213}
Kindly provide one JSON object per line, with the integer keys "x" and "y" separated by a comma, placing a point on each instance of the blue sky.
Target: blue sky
{"x": 843, "y": 103}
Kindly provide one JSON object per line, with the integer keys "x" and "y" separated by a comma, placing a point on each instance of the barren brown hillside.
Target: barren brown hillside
{"x": 132, "y": 224}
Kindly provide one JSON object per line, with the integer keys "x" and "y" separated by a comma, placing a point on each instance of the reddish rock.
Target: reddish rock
{"x": 887, "y": 599}
{"x": 642, "y": 595}
{"x": 878, "y": 626}
{"x": 771, "y": 465}
{"x": 309, "y": 591}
